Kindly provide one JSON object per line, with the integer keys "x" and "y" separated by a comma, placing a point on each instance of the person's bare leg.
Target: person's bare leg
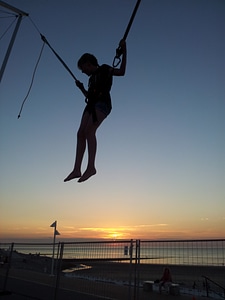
{"x": 92, "y": 145}
{"x": 91, "y": 170}
{"x": 76, "y": 173}
{"x": 80, "y": 149}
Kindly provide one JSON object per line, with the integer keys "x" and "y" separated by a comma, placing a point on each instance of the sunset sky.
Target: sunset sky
{"x": 161, "y": 152}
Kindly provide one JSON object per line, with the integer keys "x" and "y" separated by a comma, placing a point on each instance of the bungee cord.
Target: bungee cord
{"x": 56, "y": 54}
{"x": 59, "y": 58}
{"x": 117, "y": 59}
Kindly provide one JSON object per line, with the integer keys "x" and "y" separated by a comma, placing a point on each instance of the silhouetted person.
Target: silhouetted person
{"x": 97, "y": 109}
{"x": 166, "y": 279}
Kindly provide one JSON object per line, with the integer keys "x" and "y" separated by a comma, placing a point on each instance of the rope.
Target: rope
{"x": 32, "y": 80}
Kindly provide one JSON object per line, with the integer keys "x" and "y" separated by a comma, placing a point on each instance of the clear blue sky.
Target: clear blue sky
{"x": 160, "y": 160}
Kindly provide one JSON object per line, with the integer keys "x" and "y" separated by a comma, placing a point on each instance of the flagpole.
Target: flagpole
{"x": 54, "y": 225}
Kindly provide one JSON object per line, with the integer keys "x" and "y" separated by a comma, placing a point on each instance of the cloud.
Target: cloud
{"x": 67, "y": 227}
{"x": 125, "y": 231}
{"x": 122, "y": 228}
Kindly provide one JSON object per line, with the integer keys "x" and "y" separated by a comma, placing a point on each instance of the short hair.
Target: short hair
{"x": 87, "y": 57}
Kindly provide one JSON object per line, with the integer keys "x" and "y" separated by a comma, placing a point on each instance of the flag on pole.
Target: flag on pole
{"x": 56, "y": 232}
{"x": 53, "y": 224}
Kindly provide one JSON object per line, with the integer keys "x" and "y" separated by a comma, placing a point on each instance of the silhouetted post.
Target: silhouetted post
{"x": 54, "y": 225}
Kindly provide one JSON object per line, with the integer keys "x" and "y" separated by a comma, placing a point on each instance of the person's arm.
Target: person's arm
{"x": 81, "y": 87}
{"x": 122, "y": 69}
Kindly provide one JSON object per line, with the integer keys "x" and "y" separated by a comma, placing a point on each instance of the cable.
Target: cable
{"x": 8, "y": 27}
{"x": 35, "y": 26}
{"x": 32, "y": 80}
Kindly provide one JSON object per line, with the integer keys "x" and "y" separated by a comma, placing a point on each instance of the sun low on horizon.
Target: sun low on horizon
{"x": 143, "y": 232}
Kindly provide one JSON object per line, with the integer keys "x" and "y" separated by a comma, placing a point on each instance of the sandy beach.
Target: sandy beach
{"x": 184, "y": 275}
{"x": 106, "y": 277}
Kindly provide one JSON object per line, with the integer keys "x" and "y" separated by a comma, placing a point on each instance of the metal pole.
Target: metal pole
{"x": 10, "y": 47}
{"x": 135, "y": 271}
{"x": 130, "y": 269}
{"x": 21, "y": 14}
{"x": 12, "y": 8}
{"x": 8, "y": 267}
{"x": 57, "y": 282}
{"x": 53, "y": 252}
{"x": 138, "y": 267}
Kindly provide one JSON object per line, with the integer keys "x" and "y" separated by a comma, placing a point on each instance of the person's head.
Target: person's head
{"x": 87, "y": 63}
{"x": 167, "y": 270}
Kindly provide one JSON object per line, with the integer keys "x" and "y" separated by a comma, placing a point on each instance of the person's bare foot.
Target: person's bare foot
{"x": 72, "y": 175}
{"x": 87, "y": 174}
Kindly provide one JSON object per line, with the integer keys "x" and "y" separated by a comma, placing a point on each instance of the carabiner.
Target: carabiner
{"x": 116, "y": 61}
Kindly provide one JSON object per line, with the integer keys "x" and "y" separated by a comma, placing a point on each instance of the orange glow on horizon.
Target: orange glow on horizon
{"x": 149, "y": 232}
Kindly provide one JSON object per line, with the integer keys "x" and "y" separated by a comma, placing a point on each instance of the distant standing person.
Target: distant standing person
{"x": 166, "y": 279}
{"x": 97, "y": 109}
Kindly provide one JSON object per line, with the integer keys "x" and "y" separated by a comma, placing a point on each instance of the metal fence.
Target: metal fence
{"x": 190, "y": 261}
{"x": 111, "y": 269}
